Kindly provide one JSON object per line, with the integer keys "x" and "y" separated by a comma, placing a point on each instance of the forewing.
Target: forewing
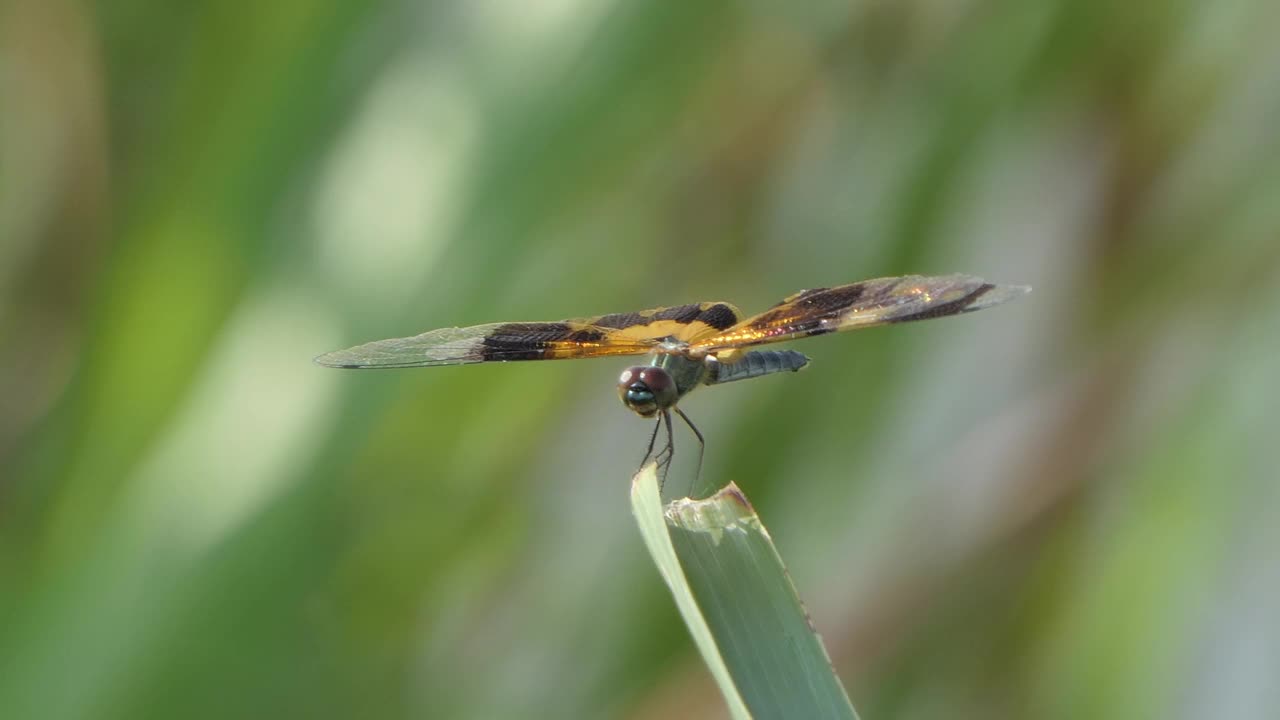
{"x": 497, "y": 342}
{"x": 863, "y": 304}
{"x": 682, "y": 322}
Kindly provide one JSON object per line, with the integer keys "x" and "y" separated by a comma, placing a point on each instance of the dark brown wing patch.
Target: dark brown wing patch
{"x": 720, "y": 316}
{"x": 814, "y": 303}
{"x": 954, "y": 307}
{"x": 536, "y": 341}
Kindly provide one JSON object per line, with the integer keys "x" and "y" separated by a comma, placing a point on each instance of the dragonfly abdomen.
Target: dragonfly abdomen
{"x": 754, "y": 364}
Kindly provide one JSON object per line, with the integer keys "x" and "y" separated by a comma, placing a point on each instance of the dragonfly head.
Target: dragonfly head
{"x": 646, "y": 389}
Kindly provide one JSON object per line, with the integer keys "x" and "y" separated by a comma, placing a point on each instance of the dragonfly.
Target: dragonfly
{"x": 690, "y": 345}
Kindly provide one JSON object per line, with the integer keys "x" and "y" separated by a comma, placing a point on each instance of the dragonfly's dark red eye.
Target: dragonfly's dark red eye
{"x": 645, "y": 389}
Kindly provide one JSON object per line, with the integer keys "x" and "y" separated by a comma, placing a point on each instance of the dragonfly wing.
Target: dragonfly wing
{"x": 496, "y": 342}
{"x": 862, "y": 304}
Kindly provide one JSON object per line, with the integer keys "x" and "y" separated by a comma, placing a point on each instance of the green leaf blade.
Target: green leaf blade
{"x": 739, "y": 603}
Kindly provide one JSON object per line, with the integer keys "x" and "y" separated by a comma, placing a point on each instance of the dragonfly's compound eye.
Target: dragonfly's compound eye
{"x": 645, "y": 390}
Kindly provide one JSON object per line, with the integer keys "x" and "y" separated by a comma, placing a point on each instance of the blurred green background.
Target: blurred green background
{"x": 1066, "y": 507}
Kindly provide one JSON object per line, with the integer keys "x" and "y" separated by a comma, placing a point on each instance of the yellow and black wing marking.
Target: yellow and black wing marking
{"x": 862, "y": 304}
{"x": 682, "y": 322}
{"x": 634, "y": 333}
{"x": 496, "y": 342}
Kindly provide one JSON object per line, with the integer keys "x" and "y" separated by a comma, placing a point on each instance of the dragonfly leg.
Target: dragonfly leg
{"x": 648, "y": 452}
{"x": 667, "y": 453}
{"x": 702, "y": 447}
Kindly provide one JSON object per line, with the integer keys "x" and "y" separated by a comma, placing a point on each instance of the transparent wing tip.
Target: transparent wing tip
{"x": 999, "y": 294}
{"x": 339, "y": 359}
{"x": 377, "y": 354}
